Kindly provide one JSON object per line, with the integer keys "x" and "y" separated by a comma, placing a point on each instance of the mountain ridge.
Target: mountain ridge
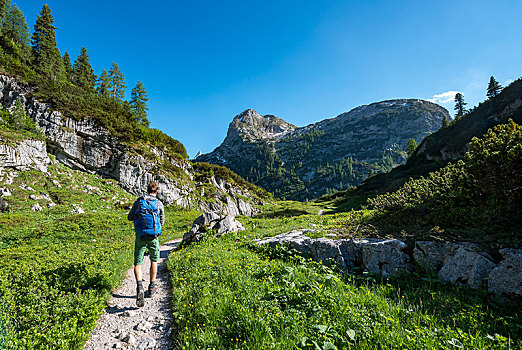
{"x": 296, "y": 162}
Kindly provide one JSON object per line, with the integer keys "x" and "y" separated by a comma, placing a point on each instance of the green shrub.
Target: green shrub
{"x": 483, "y": 189}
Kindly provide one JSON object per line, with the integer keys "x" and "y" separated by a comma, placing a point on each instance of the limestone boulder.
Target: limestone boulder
{"x": 328, "y": 251}
{"x": 296, "y": 239}
{"x": 465, "y": 263}
{"x": 506, "y": 278}
{"x": 429, "y": 255}
{"x": 228, "y": 224}
{"x": 386, "y": 257}
{"x": 208, "y": 218}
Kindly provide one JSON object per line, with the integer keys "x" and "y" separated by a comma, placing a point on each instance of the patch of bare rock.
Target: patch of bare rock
{"x": 456, "y": 263}
{"x": 215, "y": 222}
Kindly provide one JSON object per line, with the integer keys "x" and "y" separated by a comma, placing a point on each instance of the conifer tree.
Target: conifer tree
{"x": 411, "y": 146}
{"x": 47, "y": 58}
{"x": 3, "y": 5}
{"x": 14, "y": 26}
{"x": 138, "y": 104}
{"x": 494, "y": 88}
{"x": 460, "y": 105}
{"x": 117, "y": 84}
{"x": 104, "y": 83}
{"x": 83, "y": 74}
{"x": 445, "y": 122}
{"x": 67, "y": 66}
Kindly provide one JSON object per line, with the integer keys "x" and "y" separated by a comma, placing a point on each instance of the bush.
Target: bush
{"x": 481, "y": 190}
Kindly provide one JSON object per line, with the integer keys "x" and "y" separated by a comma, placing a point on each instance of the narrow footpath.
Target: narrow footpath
{"x": 124, "y": 325}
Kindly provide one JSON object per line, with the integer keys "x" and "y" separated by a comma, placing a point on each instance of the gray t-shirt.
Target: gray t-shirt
{"x": 132, "y": 212}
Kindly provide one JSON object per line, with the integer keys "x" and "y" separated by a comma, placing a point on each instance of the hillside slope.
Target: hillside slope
{"x": 84, "y": 144}
{"x": 451, "y": 143}
{"x": 306, "y": 162}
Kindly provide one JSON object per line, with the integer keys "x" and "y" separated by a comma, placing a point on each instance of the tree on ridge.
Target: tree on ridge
{"x": 138, "y": 104}
{"x": 117, "y": 84}
{"x": 47, "y": 57}
{"x": 104, "y": 83}
{"x": 83, "y": 74}
{"x": 460, "y": 105}
{"x": 14, "y": 26}
{"x": 411, "y": 146}
{"x": 67, "y": 66}
{"x": 494, "y": 88}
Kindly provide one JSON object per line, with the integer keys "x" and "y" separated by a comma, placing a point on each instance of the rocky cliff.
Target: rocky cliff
{"x": 85, "y": 145}
{"x": 306, "y": 162}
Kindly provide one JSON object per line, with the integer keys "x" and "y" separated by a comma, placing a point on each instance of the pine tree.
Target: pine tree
{"x": 117, "y": 84}
{"x": 411, "y": 146}
{"x": 3, "y": 5}
{"x": 460, "y": 105}
{"x": 83, "y": 74}
{"x": 67, "y": 66}
{"x": 138, "y": 104}
{"x": 445, "y": 122}
{"x": 14, "y": 26}
{"x": 104, "y": 83}
{"x": 494, "y": 88}
{"x": 47, "y": 58}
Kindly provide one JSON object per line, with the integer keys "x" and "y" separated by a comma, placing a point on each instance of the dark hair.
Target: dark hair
{"x": 152, "y": 187}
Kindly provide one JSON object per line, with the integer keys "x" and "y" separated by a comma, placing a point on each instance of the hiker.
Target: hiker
{"x": 149, "y": 216}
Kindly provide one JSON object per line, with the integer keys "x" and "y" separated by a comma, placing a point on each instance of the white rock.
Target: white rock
{"x": 506, "y": 278}
{"x": 146, "y": 343}
{"x": 36, "y": 207}
{"x": 4, "y": 192}
{"x": 465, "y": 263}
{"x": 144, "y": 326}
{"x": 386, "y": 257}
{"x": 127, "y": 313}
{"x": 130, "y": 339}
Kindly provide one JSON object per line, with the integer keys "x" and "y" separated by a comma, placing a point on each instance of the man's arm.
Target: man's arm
{"x": 161, "y": 213}
{"x": 132, "y": 212}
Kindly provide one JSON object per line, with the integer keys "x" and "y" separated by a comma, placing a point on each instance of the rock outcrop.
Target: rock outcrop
{"x": 215, "y": 222}
{"x": 28, "y": 154}
{"x": 506, "y": 277}
{"x": 85, "y": 145}
{"x": 455, "y": 263}
{"x": 301, "y": 162}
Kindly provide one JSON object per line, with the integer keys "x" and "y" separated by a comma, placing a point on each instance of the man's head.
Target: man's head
{"x": 152, "y": 187}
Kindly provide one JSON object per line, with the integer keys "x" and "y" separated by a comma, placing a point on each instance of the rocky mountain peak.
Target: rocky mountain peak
{"x": 332, "y": 154}
{"x": 251, "y": 126}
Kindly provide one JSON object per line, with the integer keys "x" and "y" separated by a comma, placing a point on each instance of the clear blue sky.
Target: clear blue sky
{"x": 203, "y": 62}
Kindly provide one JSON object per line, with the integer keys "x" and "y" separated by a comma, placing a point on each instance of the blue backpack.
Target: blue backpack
{"x": 147, "y": 224}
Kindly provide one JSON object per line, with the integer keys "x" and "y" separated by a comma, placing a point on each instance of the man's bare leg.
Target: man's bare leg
{"x": 153, "y": 270}
{"x": 139, "y": 290}
{"x": 137, "y": 272}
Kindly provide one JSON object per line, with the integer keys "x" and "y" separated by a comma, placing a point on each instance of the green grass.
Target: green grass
{"x": 58, "y": 269}
{"x": 227, "y": 295}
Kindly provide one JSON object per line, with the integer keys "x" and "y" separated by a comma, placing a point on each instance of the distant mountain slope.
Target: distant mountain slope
{"x": 306, "y": 162}
{"x": 450, "y": 143}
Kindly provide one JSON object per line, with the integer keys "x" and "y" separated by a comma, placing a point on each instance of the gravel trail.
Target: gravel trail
{"x": 124, "y": 325}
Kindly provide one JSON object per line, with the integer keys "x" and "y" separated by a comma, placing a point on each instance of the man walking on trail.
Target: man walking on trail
{"x": 148, "y": 215}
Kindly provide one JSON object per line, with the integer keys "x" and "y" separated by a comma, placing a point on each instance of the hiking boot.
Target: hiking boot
{"x": 152, "y": 289}
{"x": 140, "y": 295}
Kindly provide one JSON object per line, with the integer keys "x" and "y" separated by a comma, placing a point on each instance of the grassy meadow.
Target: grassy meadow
{"x": 57, "y": 268}
{"x": 231, "y": 294}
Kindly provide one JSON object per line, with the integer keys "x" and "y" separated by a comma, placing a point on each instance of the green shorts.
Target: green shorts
{"x": 140, "y": 245}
